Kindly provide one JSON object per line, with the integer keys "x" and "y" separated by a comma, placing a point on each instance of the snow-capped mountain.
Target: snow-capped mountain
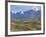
{"x": 22, "y": 15}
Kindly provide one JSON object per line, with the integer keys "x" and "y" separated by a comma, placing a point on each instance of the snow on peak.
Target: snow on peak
{"x": 21, "y": 12}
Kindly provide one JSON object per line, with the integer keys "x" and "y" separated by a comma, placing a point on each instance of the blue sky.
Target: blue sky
{"x": 17, "y": 8}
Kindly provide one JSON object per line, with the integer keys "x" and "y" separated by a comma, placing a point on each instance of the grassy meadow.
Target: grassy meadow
{"x": 25, "y": 25}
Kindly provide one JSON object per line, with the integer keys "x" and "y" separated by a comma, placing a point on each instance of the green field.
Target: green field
{"x": 25, "y": 25}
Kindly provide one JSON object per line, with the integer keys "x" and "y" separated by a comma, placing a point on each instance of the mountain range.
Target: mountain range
{"x": 29, "y": 14}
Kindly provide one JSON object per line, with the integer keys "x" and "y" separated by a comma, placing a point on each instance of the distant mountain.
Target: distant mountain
{"x": 30, "y": 14}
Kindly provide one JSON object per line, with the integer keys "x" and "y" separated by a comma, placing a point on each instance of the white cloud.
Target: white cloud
{"x": 35, "y": 8}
